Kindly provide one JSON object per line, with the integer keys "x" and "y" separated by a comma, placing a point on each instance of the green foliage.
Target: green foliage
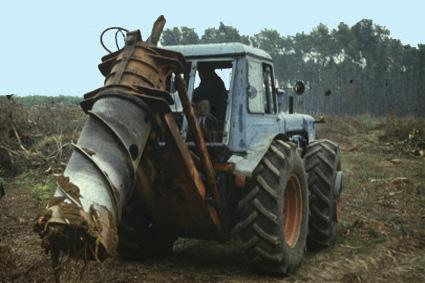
{"x": 365, "y": 69}
{"x": 223, "y": 34}
{"x": 42, "y": 187}
{"x": 269, "y": 40}
{"x": 43, "y": 191}
{"x": 185, "y": 35}
{"x": 179, "y": 36}
{"x": 42, "y": 100}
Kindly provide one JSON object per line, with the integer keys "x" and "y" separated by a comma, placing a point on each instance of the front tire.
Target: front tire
{"x": 323, "y": 164}
{"x": 274, "y": 211}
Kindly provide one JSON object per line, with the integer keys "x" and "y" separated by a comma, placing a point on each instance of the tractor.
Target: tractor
{"x": 151, "y": 165}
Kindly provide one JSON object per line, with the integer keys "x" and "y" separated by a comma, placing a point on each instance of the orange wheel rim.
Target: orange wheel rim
{"x": 292, "y": 211}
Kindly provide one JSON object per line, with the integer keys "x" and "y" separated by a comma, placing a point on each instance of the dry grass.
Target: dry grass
{"x": 383, "y": 222}
{"x": 406, "y": 135}
{"x": 381, "y": 234}
{"x": 37, "y": 136}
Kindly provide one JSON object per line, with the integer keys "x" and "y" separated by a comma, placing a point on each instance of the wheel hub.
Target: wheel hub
{"x": 292, "y": 211}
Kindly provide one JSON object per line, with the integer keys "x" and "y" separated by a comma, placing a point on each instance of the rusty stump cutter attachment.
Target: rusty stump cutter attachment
{"x": 81, "y": 218}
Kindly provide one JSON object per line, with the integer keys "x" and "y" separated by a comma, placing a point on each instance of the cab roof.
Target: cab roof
{"x": 231, "y": 49}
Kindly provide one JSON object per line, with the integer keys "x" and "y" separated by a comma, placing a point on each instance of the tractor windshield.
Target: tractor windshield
{"x": 209, "y": 87}
{"x": 210, "y": 96}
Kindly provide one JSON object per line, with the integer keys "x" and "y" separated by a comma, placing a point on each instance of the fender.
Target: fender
{"x": 245, "y": 164}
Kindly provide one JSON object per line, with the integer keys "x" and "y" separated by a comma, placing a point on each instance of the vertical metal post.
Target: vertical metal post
{"x": 196, "y": 132}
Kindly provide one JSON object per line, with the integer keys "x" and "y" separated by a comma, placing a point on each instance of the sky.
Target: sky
{"x": 52, "y": 47}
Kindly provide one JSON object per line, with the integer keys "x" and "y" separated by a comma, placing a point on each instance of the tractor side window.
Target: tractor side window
{"x": 212, "y": 84}
{"x": 261, "y": 89}
{"x": 211, "y": 90}
{"x": 256, "y": 93}
{"x": 270, "y": 105}
{"x": 225, "y": 74}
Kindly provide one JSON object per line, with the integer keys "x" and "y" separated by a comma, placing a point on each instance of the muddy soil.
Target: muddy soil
{"x": 381, "y": 235}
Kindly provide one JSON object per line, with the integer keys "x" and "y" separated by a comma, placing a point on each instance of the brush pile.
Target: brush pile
{"x": 36, "y": 136}
{"x": 405, "y": 135}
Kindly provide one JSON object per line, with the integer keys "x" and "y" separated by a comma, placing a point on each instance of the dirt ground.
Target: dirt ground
{"x": 381, "y": 235}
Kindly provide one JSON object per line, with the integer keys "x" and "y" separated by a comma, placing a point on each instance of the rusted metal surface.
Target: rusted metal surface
{"x": 224, "y": 167}
{"x": 117, "y": 151}
{"x": 101, "y": 170}
{"x": 179, "y": 203}
{"x": 94, "y": 228}
{"x": 101, "y": 174}
{"x": 196, "y": 132}
{"x": 157, "y": 28}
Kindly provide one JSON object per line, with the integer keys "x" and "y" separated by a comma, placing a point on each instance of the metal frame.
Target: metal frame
{"x": 247, "y": 135}
{"x": 192, "y": 74}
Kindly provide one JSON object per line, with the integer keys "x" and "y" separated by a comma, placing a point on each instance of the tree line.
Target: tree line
{"x": 348, "y": 70}
{"x": 32, "y": 100}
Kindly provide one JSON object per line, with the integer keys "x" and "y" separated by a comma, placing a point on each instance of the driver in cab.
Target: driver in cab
{"x": 211, "y": 89}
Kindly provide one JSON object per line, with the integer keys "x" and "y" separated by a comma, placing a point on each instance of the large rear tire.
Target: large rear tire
{"x": 274, "y": 211}
{"x": 323, "y": 164}
{"x": 138, "y": 237}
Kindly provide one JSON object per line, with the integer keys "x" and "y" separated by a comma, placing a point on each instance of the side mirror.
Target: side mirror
{"x": 299, "y": 87}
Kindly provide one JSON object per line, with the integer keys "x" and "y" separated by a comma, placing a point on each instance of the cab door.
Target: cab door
{"x": 261, "y": 102}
